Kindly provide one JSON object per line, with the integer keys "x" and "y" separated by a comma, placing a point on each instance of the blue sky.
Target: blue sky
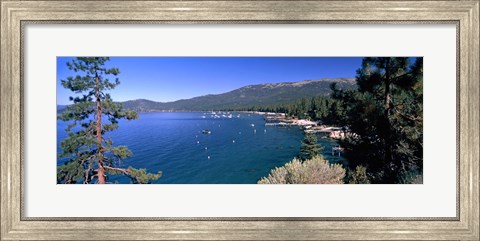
{"x": 173, "y": 78}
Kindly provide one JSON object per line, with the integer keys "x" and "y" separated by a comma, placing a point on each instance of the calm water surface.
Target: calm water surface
{"x": 239, "y": 150}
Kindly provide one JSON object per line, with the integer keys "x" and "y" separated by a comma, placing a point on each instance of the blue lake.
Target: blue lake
{"x": 239, "y": 150}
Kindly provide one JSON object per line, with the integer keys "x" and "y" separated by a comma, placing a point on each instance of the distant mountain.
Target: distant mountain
{"x": 248, "y": 96}
{"x": 61, "y": 107}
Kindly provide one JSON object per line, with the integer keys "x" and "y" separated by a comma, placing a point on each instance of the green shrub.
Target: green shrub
{"x": 312, "y": 171}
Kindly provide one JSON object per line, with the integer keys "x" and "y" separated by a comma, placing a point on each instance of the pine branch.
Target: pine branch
{"x": 123, "y": 170}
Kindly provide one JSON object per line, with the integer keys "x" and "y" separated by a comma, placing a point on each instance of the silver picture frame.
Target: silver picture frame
{"x": 16, "y": 14}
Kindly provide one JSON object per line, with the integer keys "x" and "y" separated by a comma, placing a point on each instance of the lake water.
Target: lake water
{"x": 239, "y": 150}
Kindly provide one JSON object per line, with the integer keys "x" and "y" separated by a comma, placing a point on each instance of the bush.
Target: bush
{"x": 312, "y": 171}
{"x": 358, "y": 176}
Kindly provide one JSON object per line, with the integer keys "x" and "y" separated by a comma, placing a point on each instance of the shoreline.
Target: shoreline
{"x": 280, "y": 120}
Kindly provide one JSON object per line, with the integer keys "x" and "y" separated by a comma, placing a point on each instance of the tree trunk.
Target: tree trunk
{"x": 388, "y": 134}
{"x": 101, "y": 169}
{"x": 388, "y": 141}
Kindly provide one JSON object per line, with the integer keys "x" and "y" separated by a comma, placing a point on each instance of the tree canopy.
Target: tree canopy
{"x": 386, "y": 115}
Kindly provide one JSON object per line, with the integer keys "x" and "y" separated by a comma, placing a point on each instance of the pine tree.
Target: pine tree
{"x": 310, "y": 147}
{"x": 90, "y": 154}
{"x": 381, "y": 75}
{"x": 385, "y": 113}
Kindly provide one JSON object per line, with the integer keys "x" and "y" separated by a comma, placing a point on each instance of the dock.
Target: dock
{"x": 278, "y": 124}
{"x": 338, "y": 150}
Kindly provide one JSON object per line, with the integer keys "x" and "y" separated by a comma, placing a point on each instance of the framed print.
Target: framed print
{"x": 161, "y": 120}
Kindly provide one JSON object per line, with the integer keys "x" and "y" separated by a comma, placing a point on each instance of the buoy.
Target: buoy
{"x": 208, "y": 157}
{"x": 206, "y": 148}
{"x": 198, "y": 142}
{"x": 233, "y": 141}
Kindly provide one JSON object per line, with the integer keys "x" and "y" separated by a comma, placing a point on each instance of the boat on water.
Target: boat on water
{"x": 206, "y": 132}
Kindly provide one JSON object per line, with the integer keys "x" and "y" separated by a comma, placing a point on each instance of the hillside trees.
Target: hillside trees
{"x": 91, "y": 155}
{"x": 320, "y": 108}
